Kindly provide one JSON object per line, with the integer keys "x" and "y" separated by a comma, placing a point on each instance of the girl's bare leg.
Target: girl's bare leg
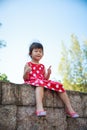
{"x": 39, "y": 98}
{"x": 66, "y": 101}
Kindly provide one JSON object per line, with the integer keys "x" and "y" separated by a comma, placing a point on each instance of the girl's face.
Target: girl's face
{"x": 37, "y": 54}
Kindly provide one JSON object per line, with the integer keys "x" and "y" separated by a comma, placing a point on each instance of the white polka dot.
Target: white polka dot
{"x": 34, "y": 68}
{"x": 60, "y": 90}
{"x": 33, "y": 83}
{"x": 45, "y": 86}
{"x": 37, "y": 71}
{"x": 36, "y": 81}
{"x": 40, "y": 68}
{"x": 53, "y": 89}
{"x": 41, "y": 82}
{"x": 30, "y": 72}
{"x": 48, "y": 84}
{"x": 34, "y": 75}
{"x": 57, "y": 86}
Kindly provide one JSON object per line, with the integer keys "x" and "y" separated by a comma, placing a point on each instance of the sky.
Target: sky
{"x": 47, "y": 21}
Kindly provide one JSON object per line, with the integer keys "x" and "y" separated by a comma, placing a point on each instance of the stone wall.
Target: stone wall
{"x": 17, "y": 109}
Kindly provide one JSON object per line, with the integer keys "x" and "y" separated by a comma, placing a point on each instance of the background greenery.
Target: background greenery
{"x": 73, "y": 65}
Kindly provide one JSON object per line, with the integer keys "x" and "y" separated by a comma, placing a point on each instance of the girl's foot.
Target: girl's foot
{"x": 41, "y": 113}
{"x": 72, "y": 114}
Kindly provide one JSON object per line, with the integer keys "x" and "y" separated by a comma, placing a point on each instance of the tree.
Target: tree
{"x": 64, "y": 66}
{"x": 73, "y": 65}
{"x": 3, "y": 77}
{"x": 84, "y": 63}
{"x": 76, "y": 61}
{"x": 2, "y": 42}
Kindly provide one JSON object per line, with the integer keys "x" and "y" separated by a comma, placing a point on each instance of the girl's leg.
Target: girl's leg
{"x": 66, "y": 101}
{"x": 39, "y": 98}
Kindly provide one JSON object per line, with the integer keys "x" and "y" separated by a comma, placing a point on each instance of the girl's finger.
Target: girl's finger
{"x": 50, "y": 67}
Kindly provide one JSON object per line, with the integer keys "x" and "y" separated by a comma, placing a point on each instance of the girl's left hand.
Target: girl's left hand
{"x": 49, "y": 70}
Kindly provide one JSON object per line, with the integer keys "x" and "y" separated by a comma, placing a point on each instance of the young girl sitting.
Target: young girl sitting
{"x": 35, "y": 74}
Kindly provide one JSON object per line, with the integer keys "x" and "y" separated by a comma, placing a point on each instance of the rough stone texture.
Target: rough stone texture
{"x": 77, "y": 124}
{"x": 76, "y": 102}
{"x": 19, "y": 94}
{"x": 9, "y": 93}
{"x": 84, "y": 105}
{"x": 0, "y": 91}
{"x": 17, "y": 109}
{"x": 26, "y": 95}
{"x": 27, "y": 120}
{"x": 8, "y": 117}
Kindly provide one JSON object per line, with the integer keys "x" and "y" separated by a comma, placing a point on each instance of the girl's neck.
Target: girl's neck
{"x": 35, "y": 62}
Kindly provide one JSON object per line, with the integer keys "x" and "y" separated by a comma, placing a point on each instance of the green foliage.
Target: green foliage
{"x": 3, "y": 77}
{"x": 73, "y": 65}
{"x": 0, "y": 24}
{"x": 2, "y": 43}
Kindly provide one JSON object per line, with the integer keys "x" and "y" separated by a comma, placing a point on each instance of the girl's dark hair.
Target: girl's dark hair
{"x": 35, "y": 45}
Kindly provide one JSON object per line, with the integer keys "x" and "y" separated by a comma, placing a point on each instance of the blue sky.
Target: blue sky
{"x": 47, "y": 21}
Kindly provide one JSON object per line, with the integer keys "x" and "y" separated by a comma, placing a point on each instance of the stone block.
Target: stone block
{"x": 84, "y": 105}
{"x": 9, "y": 93}
{"x": 76, "y": 102}
{"x": 77, "y": 124}
{"x": 0, "y": 92}
{"x": 26, "y": 95}
{"x": 8, "y": 117}
{"x": 19, "y": 94}
{"x": 54, "y": 120}
{"x": 57, "y": 102}
{"x": 48, "y": 98}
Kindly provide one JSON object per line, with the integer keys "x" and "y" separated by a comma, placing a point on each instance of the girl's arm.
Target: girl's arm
{"x": 27, "y": 69}
{"x": 48, "y": 73}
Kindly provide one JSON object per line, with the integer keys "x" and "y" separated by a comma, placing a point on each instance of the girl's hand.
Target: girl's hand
{"x": 47, "y": 75}
{"x": 49, "y": 70}
{"x": 27, "y": 69}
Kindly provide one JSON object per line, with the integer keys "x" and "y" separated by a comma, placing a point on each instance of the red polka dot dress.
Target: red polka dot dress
{"x": 36, "y": 78}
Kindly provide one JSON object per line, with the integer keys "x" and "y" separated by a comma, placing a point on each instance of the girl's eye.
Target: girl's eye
{"x": 40, "y": 51}
{"x": 35, "y": 51}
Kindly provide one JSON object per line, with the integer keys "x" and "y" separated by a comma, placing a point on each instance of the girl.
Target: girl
{"x": 35, "y": 74}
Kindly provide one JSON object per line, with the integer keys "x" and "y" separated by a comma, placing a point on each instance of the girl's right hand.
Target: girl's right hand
{"x": 27, "y": 68}
{"x": 49, "y": 70}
